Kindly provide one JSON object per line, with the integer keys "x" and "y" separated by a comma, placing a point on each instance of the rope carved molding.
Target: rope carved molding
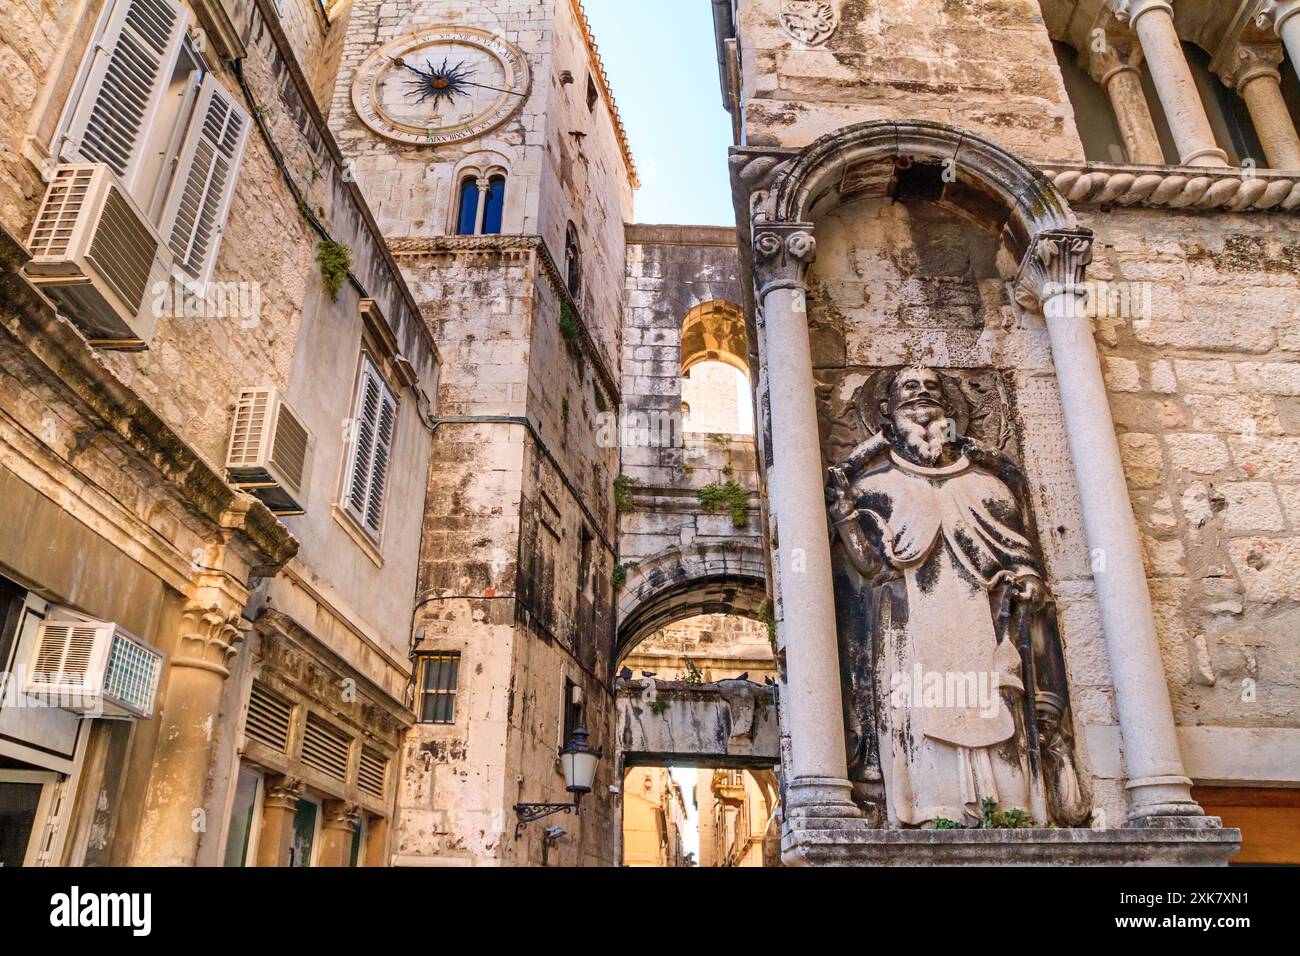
{"x": 1175, "y": 187}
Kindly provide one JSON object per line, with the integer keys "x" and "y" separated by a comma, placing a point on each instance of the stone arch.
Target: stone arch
{"x": 715, "y": 332}
{"x": 678, "y": 583}
{"x": 957, "y": 167}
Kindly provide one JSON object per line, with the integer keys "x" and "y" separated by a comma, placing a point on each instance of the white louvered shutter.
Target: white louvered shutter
{"x": 130, "y": 70}
{"x": 204, "y": 184}
{"x": 375, "y": 423}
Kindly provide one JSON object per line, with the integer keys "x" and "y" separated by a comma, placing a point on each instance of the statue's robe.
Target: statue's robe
{"x": 955, "y": 533}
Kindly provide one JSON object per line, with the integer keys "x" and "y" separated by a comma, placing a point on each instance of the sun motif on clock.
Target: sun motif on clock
{"x": 442, "y": 85}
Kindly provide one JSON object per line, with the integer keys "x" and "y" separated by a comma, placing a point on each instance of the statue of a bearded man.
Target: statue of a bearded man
{"x": 969, "y": 675}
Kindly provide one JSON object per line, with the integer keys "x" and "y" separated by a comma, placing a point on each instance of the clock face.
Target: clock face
{"x": 441, "y": 85}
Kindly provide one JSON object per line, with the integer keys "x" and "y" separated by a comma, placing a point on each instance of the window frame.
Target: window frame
{"x": 253, "y": 837}
{"x": 451, "y": 693}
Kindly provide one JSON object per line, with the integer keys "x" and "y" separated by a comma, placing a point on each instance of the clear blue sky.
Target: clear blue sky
{"x": 663, "y": 67}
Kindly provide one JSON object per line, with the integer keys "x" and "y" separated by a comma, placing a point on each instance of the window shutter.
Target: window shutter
{"x": 205, "y": 179}
{"x": 364, "y": 424}
{"x": 383, "y": 454}
{"x": 123, "y": 88}
{"x": 372, "y": 449}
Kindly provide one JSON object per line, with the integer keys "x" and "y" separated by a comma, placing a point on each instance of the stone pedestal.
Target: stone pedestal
{"x": 849, "y": 842}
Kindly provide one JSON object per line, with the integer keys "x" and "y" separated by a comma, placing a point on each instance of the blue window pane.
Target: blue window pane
{"x": 468, "y": 208}
{"x": 496, "y": 204}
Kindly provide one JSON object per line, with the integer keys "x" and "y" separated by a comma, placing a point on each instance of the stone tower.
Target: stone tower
{"x": 485, "y": 138}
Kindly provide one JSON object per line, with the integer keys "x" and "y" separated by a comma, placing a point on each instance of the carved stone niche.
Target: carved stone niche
{"x": 955, "y": 695}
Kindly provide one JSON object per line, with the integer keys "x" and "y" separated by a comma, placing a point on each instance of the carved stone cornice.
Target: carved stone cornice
{"x": 782, "y": 254}
{"x": 1175, "y": 187}
{"x": 31, "y": 320}
{"x": 209, "y": 637}
{"x": 282, "y": 793}
{"x": 1056, "y": 262}
{"x": 1250, "y": 61}
{"x": 414, "y": 247}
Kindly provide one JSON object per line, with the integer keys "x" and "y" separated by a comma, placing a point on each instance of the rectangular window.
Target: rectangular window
{"x": 306, "y": 827}
{"x": 440, "y": 674}
{"x": 147, "y": 107}
{"x": 245, "y": 813}
{"x": 373, "y": 428}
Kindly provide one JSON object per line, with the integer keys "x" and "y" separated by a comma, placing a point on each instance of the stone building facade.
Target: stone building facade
{"x": 902, "y": 168}
{"x": 344, "y": 397}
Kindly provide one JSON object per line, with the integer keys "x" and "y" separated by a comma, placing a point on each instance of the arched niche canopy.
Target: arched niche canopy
{"x": 913, "y": 158}
{"x": 715, "y": 332}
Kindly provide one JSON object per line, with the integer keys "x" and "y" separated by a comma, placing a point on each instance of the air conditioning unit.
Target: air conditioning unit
{"x": 97, "y": 256}
{"x": 93, "y": 667}
{"x": 270, "y": 449}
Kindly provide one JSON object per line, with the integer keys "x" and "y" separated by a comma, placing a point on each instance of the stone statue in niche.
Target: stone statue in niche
{"x": 966, "y": 709}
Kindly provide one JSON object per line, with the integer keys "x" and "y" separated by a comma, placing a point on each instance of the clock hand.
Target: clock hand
{"x": 496, "y": 89}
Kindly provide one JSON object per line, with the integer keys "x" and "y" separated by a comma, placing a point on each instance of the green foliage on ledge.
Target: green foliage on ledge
{"x": 622, "y": 494}
{"x": 334, "y": 259}
{"x": 715, "y": 498}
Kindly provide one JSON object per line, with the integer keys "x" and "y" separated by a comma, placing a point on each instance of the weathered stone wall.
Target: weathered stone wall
{"x": 721, "y": 646}
{"x": 510, "y": 502}
{"x": 1205, "y": 392}
{"x": 140, "y": 438}
{"x": 986, "y": 67}
{"x": 668, "y": 537}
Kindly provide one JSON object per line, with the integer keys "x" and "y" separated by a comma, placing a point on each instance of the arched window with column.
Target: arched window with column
{"x": 480, "y": 203}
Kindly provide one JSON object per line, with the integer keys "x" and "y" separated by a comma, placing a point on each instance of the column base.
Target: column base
{"x": 1195, "y": 159}
{"x": 850, "y": 842}
{"x": 814, "y": 798}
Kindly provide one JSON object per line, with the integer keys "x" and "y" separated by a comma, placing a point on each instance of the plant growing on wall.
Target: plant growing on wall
{"x": 993, "y": 819}
{"x": 694, "y": 676}
{"x": 622, "y": 494}
{"x": 768, "y": 618}
{"x": 659, "y": 708}
{"x": 715, "y": 498}
{"x": 619, "y": 577}
{"x": 334, "y": 260}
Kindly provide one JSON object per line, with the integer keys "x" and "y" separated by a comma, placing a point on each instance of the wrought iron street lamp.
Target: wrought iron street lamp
{"x": 578, "y": 759}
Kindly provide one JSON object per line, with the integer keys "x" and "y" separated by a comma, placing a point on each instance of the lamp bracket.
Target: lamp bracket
{"x": 530, "y": 812}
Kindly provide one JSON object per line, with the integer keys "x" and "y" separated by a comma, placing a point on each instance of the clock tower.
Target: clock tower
{"x": 486, "y": 140}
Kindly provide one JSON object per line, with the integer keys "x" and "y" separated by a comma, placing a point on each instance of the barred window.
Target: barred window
{"x": 439, "y": 674}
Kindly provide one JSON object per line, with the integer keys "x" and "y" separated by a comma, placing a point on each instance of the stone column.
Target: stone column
{"x": 1051, "y": 277}
{"x": 1284, "y": 18}
{"x": 337, "y": 829}
{"x": 280, "y": 797}
{"x": 817, "y": 776}
{"x": 176, "y": 803}
{"x": 1153, "y": 21}
{"x": 480, "y": 217}
{"x": 1116, "y": 69}
{"x": 1252, "y": 70}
